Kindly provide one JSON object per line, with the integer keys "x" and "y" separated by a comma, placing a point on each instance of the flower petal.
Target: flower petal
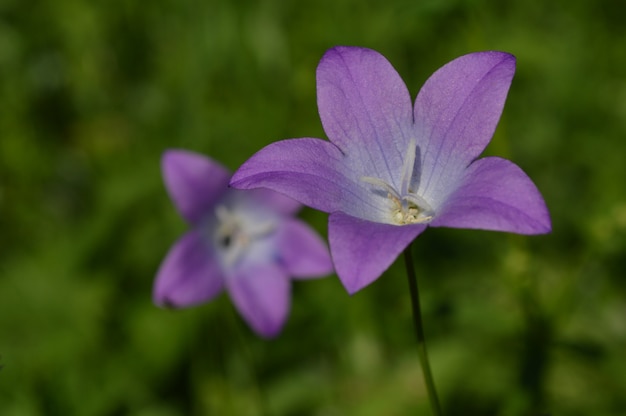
{"x": 307, "y": 170}
{"x": 277, "y": 202}
{"x": 363, "y": 250}
{"x": 365, "y": 109}
{"x": 456, "y": 113}
{"x": 189, "y": 274}
{"x": 194, "y": 182}
{"x": 301, "y": 250}
{"x": 262, "y": 295}
{"x": 495, "y": 194}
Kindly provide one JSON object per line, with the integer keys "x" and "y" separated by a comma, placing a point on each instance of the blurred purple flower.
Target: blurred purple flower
{"x": 392, "y": 169}
{"x": 245, "y": 241}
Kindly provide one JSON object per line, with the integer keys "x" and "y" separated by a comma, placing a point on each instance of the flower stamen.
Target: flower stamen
{"x": 407, "y": 207}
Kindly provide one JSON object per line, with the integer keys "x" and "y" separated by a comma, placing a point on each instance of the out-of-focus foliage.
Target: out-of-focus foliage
{"x": 91, "y": 93}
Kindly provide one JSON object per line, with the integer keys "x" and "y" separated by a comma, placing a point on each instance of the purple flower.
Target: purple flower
{"x": 245, "y": 241}
{"x": 392, "y": 169}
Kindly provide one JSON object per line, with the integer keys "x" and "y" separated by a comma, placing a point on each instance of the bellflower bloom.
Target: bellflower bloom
{"x": 244, "y": 241}
{"x": 391, "y": 169}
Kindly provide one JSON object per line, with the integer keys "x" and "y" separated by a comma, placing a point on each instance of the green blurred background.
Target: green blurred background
{"x": 92, "y": 92}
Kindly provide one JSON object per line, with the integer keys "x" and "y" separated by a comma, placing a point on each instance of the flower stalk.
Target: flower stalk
{"x": 419, "y": 332}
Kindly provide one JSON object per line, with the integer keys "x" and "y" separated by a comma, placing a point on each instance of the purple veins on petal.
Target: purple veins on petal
{"x": 362, "y": 250}
{"x": 456, "y": 113}
{"x": 365, "y": 108}
{"x": 495, "y": 194}
{"x": 311, "y": 171}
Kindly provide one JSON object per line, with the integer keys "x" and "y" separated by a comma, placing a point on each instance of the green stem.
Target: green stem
{"x": 419, "y": 332}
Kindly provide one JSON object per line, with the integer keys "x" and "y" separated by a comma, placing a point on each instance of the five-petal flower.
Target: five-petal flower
{"x": 392, "y": 169}
{"x": 245, "y": 241}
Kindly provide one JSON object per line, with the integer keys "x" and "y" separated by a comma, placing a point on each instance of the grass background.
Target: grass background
{"x": 92, "y": 92}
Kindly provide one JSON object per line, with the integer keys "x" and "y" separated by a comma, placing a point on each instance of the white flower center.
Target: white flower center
{"x": 407, "y": 207}
{"x": 235, "y": 234}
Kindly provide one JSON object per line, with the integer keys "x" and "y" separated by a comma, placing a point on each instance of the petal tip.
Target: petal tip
{"x": 270, "y": 332}
{"x": 346, "y": 49}
{"x": 352, "y": 288}
{"x": 240, "y": 181}
{"x": 545, "y": 227}
{"x": 163, "y": 298}
{"x": 266, "y": 328}
{"x": 493, "y": 55}
{"x": 165, "y": 303}
{"x": 174, "y": 157}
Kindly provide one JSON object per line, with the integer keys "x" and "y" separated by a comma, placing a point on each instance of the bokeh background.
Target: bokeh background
{"x": 92, "y": 92}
